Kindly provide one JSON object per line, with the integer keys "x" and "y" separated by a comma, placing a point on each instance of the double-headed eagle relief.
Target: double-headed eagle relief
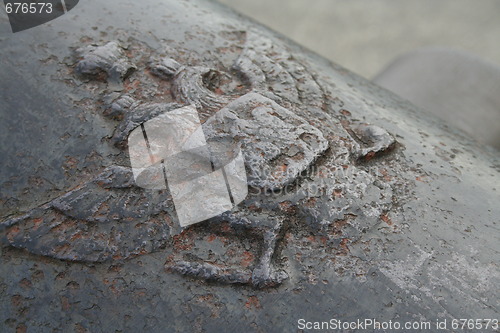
{"x": 272, "y": 160}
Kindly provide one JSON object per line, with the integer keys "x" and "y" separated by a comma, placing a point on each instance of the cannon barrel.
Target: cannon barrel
{"x": 388, "y": 214}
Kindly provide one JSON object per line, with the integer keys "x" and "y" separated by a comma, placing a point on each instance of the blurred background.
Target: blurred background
{"x": 441, "y": 55}
{"x": 458, "y": 82}
{"x": 365, "y": 35}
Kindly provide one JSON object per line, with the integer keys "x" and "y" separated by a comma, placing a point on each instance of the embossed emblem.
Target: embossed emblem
{"x": 306, "y": 159}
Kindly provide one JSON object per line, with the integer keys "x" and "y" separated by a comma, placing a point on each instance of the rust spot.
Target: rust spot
{"x": 21, "y": 328}
{"x": 12, "y": 233}
{"x": 16, "y": 301}
{"x": 231, "y": 253}
{"x": 36, "y": 223}
{"x": 311, "y": 202}
{"x": 70, "y": 163}
{"x": 38, "y": 275}
{"x": 345, "y": 113}
{"x": 62, "y": 248}
{"x": 337, "y": 193}
{"x": 345, "y": 123}
{"x": 247, "y": 260}
{"x": 205, "y": 298}
{"x": 169, "y": 260}
{"x": 80, "y": 329}
{"x": 225, "y": 227}
{"x": 115, "y": 289}
{"x": 65, "y": 303}
{"x": 298, "y": 157}
{"x": 224, "y": 240}
{"x": 385, "y": 174}
{"x": 369, "y": 156}
{"x": 73, "y": 285}
{"x": 255, "y": 208}
{"x": 76, "y": 236}
{"x": 344, "y": 247}
{"x": 324, "y": 173}
{"x": 25, "y": 283}
{"x": 62, "y": 227}
{"x": 280, "y": 171}
{"x": 240, "y": 87}
{"x": 115, "y": 268}
{"x": 143, "y": 252}
{"x": 287, "y": 207}
{"x": 338, "y": 225}
{"x": 386, "y": 219}
{"x": 184, "y": 241}
{"x": 253, "y": 302}
{"x": 131, "y": 85}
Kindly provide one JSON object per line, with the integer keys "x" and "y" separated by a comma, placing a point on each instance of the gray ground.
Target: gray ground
{"x": 364, "y": 36}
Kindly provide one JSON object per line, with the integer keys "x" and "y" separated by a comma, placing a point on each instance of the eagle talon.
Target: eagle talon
{"x": 211, "y": 272}
{"x": 265, "y": 278}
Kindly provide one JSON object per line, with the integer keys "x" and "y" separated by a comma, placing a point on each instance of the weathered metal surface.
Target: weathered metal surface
{"x": 359, "y": 206}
